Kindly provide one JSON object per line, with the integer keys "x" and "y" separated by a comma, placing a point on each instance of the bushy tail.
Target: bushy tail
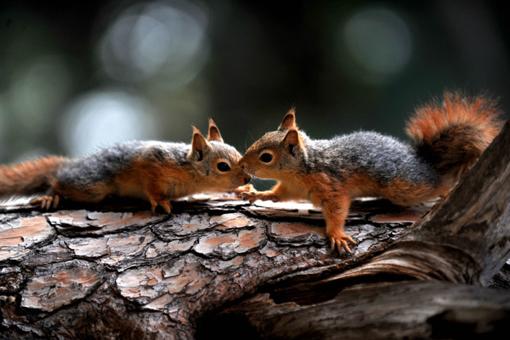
{"x": 28, "y": 177}
{"x": 452, "y": 134}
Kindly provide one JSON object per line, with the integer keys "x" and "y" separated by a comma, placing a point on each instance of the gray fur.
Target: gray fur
{"x": 382, "y": 157}
{"x": 108, "y": 162}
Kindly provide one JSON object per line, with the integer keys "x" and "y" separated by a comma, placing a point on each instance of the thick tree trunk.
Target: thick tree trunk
{"x": 103, "y": 274}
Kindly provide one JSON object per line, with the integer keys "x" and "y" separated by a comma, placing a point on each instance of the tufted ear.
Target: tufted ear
{"x": 292, "y": 141}
{"x": 289, "y": 121}
{"x": 213, "y": 132}
{"x": 199, "y": 145}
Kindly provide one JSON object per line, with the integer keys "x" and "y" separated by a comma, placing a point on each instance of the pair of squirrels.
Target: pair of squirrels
{"x": 447, "y": 139}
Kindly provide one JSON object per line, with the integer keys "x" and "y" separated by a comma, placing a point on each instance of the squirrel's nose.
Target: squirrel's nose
{"x": 246, "y": 179}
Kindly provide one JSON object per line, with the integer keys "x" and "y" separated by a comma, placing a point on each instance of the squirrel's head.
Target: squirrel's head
{"x": 215, "y": 161}
{"x": 278, "y": 152}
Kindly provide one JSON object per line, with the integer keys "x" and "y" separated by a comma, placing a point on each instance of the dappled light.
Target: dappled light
{"x": 103, "y": 118}
{"x": 163, "y": 39}
{"x": 78, "y": 76}
{"x": 380, "y": 43}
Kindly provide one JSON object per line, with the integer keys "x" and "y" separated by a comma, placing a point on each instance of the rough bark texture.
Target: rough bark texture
{"x": 108, "y": 273}
{"x": 87, "y": 273}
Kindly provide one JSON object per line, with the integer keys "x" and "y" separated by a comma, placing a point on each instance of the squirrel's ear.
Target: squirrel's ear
{"x": 213, "y": 132}
{"x": 289, "y": 121}
{"x": 199, "y": 145}
{"x": 292, "y": 141}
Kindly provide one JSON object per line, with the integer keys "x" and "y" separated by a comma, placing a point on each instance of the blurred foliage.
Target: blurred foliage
{"x": 78, "y": 75}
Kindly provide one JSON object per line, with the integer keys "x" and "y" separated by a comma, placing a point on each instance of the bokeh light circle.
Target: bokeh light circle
{"x": 102, "y": 118}
{"x": 379, "y": 41}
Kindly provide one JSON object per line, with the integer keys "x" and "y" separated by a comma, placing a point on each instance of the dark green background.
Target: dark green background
{"x": 256, "y": 59}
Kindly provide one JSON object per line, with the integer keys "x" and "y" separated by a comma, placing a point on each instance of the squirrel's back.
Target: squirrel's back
{"x": 105, "y": 164}
{"x": 381, "y": 157}
{"x": 448, "y": 139}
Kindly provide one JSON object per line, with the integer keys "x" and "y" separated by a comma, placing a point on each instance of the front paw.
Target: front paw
{"x": 251, "y": 196}
{"x": 239, "y": 191}
{"x": 257, "y": 195}
{"x": 340, "y": 240}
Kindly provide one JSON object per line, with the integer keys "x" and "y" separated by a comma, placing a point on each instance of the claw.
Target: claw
{"x": 339, "y": 241}
{"x": 343, "y": 244}
{"x": 56, "y": 201}
{"x": 46, "y": 202}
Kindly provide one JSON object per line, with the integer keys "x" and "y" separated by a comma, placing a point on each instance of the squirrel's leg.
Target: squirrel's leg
{"x": 335, "y": 201}
{"x": 156, "y": 197}
{"x": 156, "y": 200}
{"x": 335, "y": 212}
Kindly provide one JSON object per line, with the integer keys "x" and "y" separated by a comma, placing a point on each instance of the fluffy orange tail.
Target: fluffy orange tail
{"x": 28, "y": 177}
{"x": 452, "y": 134}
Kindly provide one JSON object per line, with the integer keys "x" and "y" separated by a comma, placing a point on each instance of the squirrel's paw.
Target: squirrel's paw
{"x": 46, "y": 201}
{"x": 244, "y": 189}
{"x": 164, "y": 204}
{"x": 340, "y": 240}
{"x": 253, "y": 196}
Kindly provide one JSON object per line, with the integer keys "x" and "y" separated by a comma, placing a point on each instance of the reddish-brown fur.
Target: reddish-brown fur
{"x": 452, "y": 134}
{"x": 28, "y": 177}
{"x": 150, "y": 180}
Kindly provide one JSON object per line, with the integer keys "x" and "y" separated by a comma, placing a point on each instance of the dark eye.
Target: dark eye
{"x": 266, "y": 157}
{"x": 223, "y": 166}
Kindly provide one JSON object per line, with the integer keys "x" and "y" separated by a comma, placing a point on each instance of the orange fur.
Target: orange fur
{"x": 431, "y": 120}
{"x": 452, "y": 135}
{"x": 91, "y": 194}
{"x": 153, "y": 181}
{"x": 399, "y": 191}
{"x": 28, "y": 177}
{"x": 334, "y": 199}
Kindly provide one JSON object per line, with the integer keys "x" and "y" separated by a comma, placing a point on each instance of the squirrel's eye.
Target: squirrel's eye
{"x": 223, "y": 166}
{"x": 266, "y": 157}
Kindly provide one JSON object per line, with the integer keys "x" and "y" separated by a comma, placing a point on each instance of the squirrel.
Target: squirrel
{"x": 448, "y": 137}
{"x": 154, "y": 171}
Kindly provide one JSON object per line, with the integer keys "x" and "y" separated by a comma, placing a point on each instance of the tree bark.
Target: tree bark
{"x": 80, "y": 273}
{"x": 107, "y": 272}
